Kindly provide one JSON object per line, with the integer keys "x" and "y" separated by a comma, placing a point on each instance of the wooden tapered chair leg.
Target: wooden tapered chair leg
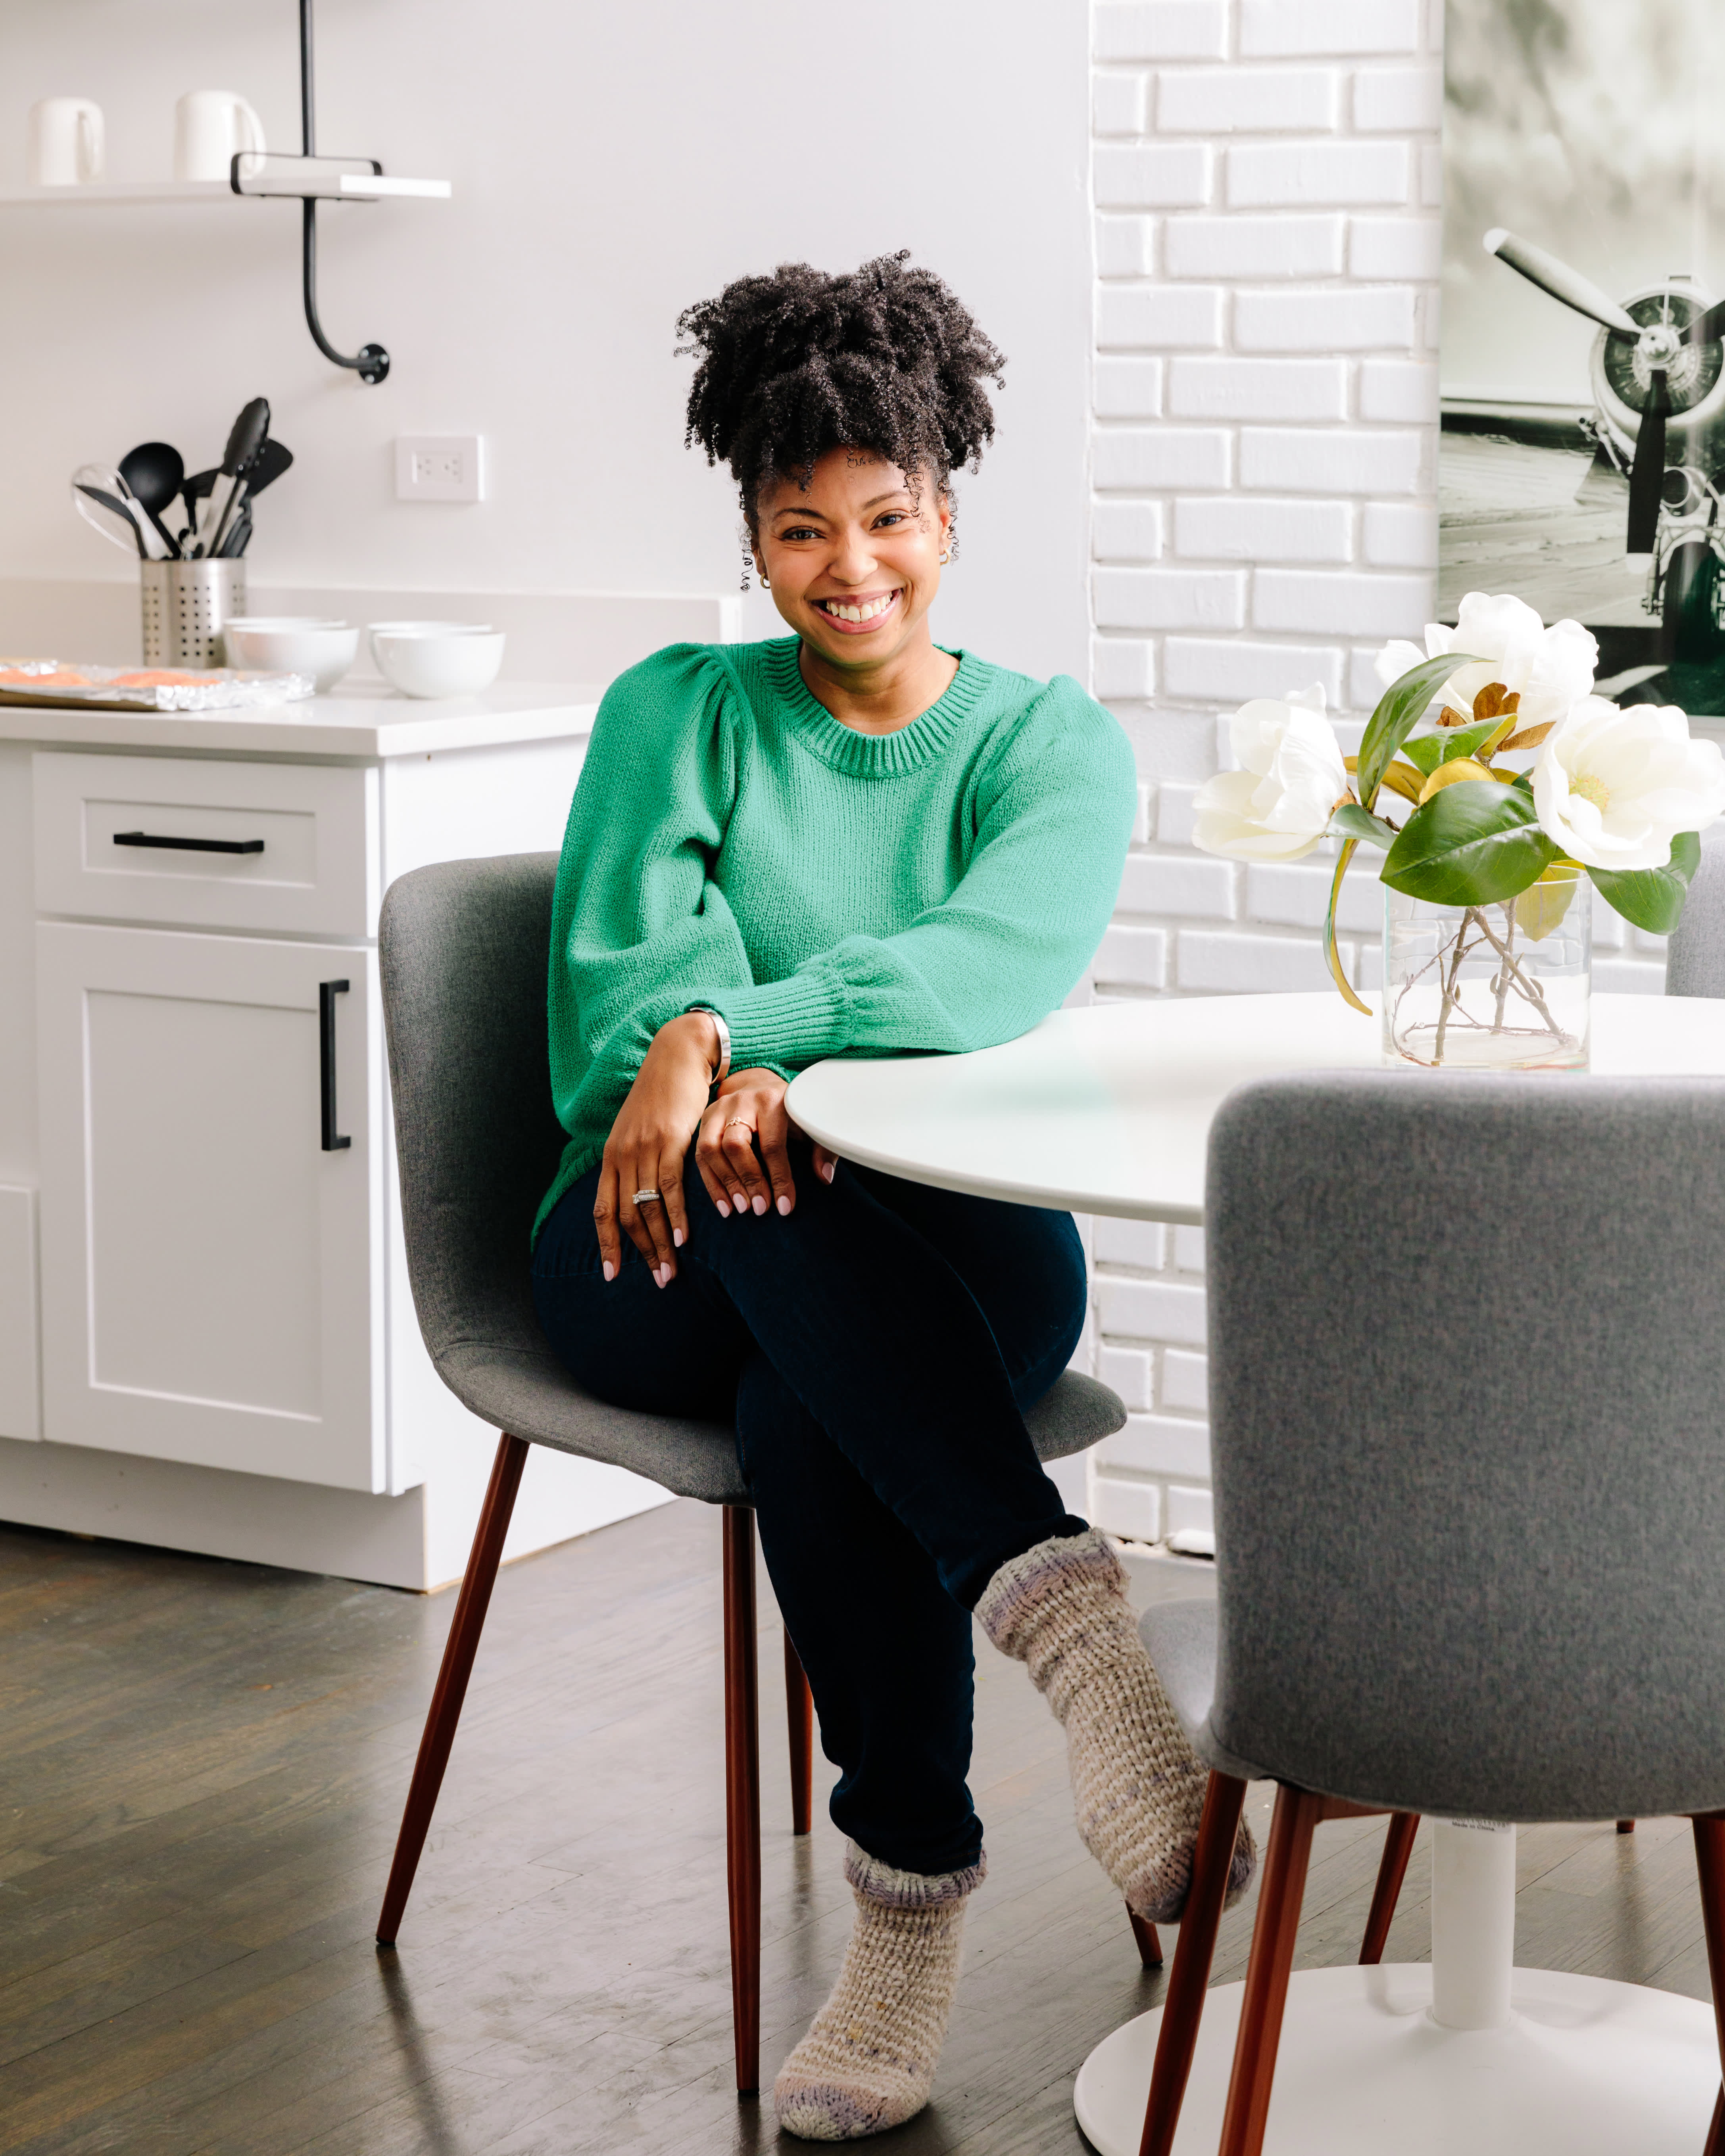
{"x": 459, "y": 1650}
{"x": 1397, "y": 1848}
{"x": 1297, "y": 1811}
{"x": 1710, "y": 1864}
{"x": 742, "y": 1793}
{"x": 1182, "y": 2009}
{"x": 799, "y": 1721}
{"x": 1625, "y": 1826}
{"x": 1145, "y": 1939}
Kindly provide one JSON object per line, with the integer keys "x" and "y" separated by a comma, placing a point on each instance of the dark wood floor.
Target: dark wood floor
{"x": 201, "y": 1774}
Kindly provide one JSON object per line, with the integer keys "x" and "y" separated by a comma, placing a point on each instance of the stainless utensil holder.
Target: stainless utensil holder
{"x": 187, "y": 605}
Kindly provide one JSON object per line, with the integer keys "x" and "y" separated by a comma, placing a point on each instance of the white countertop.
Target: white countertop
{"x": 359, "y": 719}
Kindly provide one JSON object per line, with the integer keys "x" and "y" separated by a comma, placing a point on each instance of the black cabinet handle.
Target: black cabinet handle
{"x": 327, "y": 991}
{"x": 189, "y": 845}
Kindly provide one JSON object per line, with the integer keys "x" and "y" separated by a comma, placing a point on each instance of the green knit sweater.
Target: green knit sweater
{"x": 829, "y": 892}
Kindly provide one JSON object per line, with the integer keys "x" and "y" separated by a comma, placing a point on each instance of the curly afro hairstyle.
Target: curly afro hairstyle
{"x": 793, "y": 365}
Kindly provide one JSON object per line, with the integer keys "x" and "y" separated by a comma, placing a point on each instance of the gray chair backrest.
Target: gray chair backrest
{"x": 1695, "y": 957}
{"x": 1467, "y": 1389}
{"x": 463, "y": 948}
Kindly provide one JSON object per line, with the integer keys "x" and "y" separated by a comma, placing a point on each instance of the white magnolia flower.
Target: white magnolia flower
{"x": 1549, "y": 669}
{"x": 1276, "y": 806}
{"x": 1613, "y": 787}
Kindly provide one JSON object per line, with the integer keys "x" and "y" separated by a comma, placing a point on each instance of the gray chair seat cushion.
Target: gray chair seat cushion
{"x": 1181, "y": 1639}
{"x": 532, "y": 1396}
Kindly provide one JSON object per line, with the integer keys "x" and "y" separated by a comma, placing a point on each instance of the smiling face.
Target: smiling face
{"x": 853, "y": 559}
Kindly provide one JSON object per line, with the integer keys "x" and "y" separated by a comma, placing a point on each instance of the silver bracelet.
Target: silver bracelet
{"x": 723, "y": 1071}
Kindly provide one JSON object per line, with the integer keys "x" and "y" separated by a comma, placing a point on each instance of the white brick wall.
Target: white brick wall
{"x": 1266, "y": 184}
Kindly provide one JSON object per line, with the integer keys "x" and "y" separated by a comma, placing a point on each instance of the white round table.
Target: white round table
{"x": 1108, "y": 1111}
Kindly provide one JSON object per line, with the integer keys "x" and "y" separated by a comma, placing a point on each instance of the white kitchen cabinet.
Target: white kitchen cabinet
{"x": 211, "y": 1276}
{"x": 228, "y": 1358}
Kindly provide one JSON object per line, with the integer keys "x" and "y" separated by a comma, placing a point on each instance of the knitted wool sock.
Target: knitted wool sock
{"x": 868, "y": 2061}
{"x": 1137, "y": 1784}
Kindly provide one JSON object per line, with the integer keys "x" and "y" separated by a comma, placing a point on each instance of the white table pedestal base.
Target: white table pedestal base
{"x": 1584, "y": 2068}
{"x": 1525, "y": 2060}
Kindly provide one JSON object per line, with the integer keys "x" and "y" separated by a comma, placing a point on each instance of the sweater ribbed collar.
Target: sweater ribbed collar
{"x": 871, "y": 756}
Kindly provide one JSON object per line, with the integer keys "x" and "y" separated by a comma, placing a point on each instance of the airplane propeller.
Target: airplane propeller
{"x": 1561, "y": 281}
{"x": 1657, "y": 345}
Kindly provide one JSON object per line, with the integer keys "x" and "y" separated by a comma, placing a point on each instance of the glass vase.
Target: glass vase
{"x": 1503, "y": 986}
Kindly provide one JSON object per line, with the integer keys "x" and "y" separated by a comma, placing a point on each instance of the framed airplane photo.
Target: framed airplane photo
{"x": 1582, "y": 459}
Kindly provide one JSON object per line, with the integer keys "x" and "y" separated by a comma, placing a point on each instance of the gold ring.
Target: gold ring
{"x": 737, "y": 1123}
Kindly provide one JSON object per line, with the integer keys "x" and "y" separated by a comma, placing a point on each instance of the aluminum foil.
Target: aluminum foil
{"x": 58, "y": 684}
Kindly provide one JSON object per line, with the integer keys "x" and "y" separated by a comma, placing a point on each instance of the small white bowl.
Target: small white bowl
{"x": 290, "y": 644}
{"x": 437, "y": 658}
{"x": 374, "y": 630}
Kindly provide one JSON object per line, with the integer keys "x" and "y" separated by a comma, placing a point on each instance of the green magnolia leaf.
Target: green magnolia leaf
{"x": 1332, "y": 957}
{"x": 1399, "y": 710}
{"x": 1351, "y": 821}
{"x": 1472, "y": 845}
{"x": 1425, "y": 752}
{"x": 1544, "y": 906}
{"x": 1652, "y": 898}
{"x": 1428, "y": 751}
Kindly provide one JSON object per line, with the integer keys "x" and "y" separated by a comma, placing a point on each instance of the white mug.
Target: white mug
{"x": 210, "y": 128}
{"x": 66, "y": 142}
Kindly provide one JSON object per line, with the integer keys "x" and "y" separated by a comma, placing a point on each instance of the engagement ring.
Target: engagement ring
{"x": 642, "y": 1196}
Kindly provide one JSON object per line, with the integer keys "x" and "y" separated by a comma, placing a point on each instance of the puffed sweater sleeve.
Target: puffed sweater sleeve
{"x": 1051, "y": 818}
{"x": 639, "y": 932}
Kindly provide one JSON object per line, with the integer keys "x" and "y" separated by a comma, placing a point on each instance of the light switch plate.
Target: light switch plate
{"x": 439, "y": 468}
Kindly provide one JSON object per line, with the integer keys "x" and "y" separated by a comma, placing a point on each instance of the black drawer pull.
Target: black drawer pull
{"x": 189, "y": 845}
{"x": 327, "y": 991}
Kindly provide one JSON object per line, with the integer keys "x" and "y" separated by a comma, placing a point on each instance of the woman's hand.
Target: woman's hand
{"x": 750, "y": 1112}
{"x": 647, "y": 1142}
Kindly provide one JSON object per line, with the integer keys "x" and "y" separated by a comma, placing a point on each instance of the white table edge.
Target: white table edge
{"x": 1006, "y": 1191}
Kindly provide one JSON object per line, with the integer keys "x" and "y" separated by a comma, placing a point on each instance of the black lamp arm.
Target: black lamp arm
{"x": 371, "y": 362}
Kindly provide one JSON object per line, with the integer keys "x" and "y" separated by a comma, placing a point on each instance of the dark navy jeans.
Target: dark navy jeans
{"x": 875, "y": 1349}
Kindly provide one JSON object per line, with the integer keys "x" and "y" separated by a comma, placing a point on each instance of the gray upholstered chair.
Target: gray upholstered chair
{"x": 466, "y": 949}
{"x": 1563, "y": 1468}
{"x": 1695, "y": 957}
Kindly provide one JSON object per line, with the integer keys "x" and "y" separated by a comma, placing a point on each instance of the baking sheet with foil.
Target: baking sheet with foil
{"x": 60, "y": 685}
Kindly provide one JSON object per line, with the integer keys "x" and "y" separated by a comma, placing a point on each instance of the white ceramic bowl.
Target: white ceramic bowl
{"x": 288, "y": 644}
{"x": 437, "y": 658}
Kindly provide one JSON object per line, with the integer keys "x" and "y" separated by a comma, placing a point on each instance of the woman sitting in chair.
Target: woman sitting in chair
{"x": 850, "y": 841}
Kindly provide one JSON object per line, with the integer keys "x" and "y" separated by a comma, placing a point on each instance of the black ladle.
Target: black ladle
{"x": 155, "y": 472}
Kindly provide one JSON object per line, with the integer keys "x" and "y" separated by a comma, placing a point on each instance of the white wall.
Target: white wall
{"x": 1265, "y": 180}
{"x": 610, "y": 165}
{"x": 1268, "y": 188}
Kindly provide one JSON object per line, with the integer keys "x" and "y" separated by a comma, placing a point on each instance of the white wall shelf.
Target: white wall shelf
{"x": 347, "y": 186}
{"x": 306, "y": 178}
{"x": 122, "y": 191}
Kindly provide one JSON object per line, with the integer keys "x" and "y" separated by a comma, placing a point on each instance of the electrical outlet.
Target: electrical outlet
{"x": 439, "y": 468}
